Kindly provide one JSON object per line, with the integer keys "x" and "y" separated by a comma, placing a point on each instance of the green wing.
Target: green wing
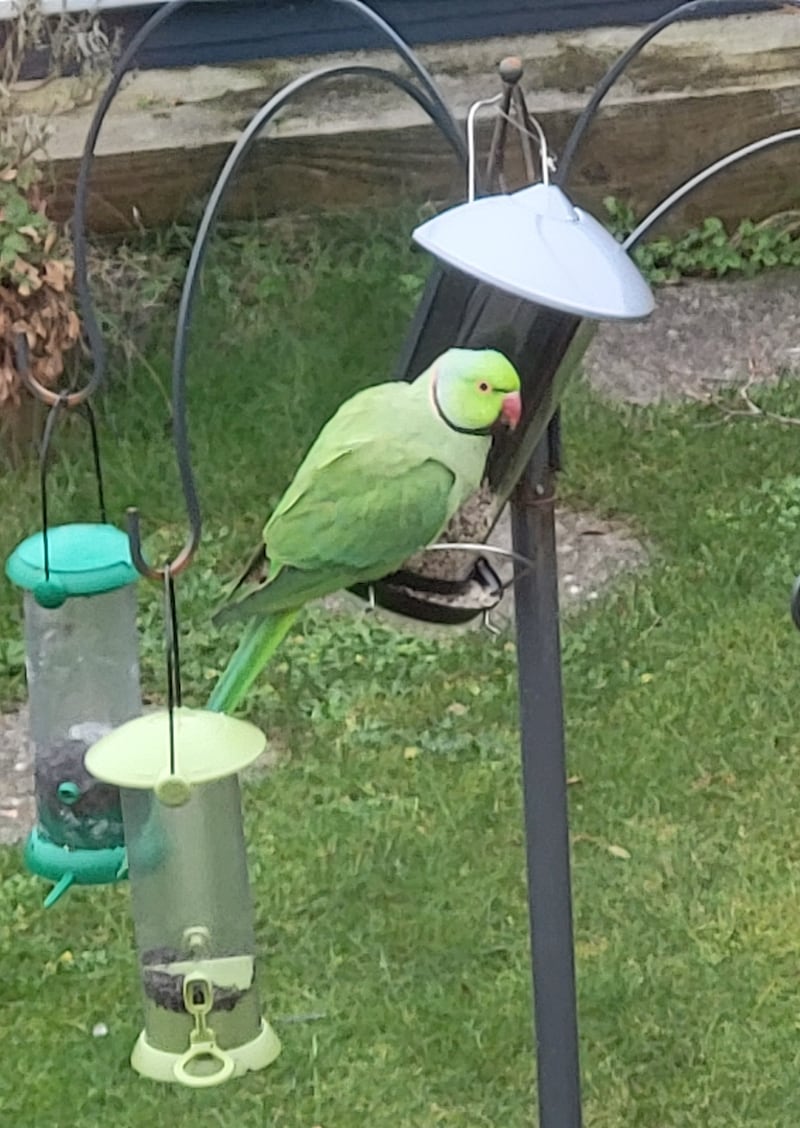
{"x": 370, "y": 507}
{"x": 379, "y": 483}
{"x": 359, "y": 517}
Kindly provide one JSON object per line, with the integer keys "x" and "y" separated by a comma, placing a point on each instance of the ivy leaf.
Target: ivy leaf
{"x": 12, "y": 247}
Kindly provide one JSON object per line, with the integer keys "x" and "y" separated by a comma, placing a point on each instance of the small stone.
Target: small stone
{"x": 99, "y": 1030}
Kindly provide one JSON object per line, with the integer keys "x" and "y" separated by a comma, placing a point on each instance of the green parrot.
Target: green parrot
{"x": 380, "y": 482}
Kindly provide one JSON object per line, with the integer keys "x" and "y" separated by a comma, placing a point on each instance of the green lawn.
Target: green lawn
{"x": 386, "y": 848}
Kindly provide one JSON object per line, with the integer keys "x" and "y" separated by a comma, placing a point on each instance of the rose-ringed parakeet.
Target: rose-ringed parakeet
{"x": 380, "y": 482}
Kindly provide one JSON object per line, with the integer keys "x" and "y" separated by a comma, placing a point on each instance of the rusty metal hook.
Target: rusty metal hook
{"x": 180, "y": 437}
{"x": 48, "y": 395}
{"x": 56, "y": 402}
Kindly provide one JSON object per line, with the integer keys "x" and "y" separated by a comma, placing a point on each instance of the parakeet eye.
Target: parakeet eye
{"x": 483, "y": 386}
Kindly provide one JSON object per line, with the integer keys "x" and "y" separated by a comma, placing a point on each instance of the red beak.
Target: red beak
{"x": 512, "y": 409}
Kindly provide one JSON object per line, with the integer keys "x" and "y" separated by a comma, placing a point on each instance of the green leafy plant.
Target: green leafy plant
{"x": 710, "y": 250}
{"x": 35, "y": 283}
{"x": 36, "y": 273}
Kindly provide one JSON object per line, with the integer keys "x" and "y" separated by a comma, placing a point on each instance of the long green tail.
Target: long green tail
{"x": 261, "y": 639}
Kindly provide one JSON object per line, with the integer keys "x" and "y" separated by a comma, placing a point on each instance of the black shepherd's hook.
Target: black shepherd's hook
{"x": 58, "y": 402}
{"x": 426, "y": 94}
{"x": 620, "y": 65}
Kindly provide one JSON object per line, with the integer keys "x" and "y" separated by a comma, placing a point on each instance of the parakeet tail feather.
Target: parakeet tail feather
{"x": 261, "y": 639}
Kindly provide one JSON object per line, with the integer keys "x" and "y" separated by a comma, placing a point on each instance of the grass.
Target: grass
{"x": 386, "y": 848}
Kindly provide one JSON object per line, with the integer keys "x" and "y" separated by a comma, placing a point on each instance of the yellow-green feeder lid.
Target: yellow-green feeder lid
{"x": 208, "y": 746}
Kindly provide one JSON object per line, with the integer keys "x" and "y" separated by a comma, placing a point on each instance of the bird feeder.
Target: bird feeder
{"x": 81, "y": 660}
{"x": 528, "y": 273}
{"x": 193, "y": 918}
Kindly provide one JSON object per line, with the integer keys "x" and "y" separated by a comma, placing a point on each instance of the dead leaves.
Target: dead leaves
{"x": 612, "y": 848}
{"x": 40, "y": 309}
{"x": 57, "y": 274}
{"x": 35, "y": 287}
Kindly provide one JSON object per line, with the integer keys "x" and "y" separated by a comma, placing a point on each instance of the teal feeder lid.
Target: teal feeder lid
{"x": 83, "y": 560}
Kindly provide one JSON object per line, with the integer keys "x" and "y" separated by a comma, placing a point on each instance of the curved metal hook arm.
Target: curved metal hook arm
{"x": 54, "y": 400}
{"x": 429, "y": 98}
{"x": 80, "y": 247}
{"x": 615, "y": 71}
{"x": 86, "y": 302}
{"x": 260, "y": 119}
{"x": 670, "y": 202}
{"x": 677, "y": 196}
{"x": 415, "y": 65}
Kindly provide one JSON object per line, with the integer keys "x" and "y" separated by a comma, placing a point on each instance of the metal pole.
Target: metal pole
{"x": 544, "y": 785}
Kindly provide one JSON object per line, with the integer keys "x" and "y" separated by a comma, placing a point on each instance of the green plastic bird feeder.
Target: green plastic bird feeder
{"x": 192, "y": 911}
{"x": 81, "y": 658}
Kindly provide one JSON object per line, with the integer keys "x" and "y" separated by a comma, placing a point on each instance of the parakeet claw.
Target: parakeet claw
{"x": 372, "y": 604}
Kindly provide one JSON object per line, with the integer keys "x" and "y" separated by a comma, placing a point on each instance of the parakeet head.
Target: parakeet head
{"x": 473, "y": 388}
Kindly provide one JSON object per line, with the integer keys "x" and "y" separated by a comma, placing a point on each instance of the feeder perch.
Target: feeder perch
{"x": 193, "y": 917}
{"x": 81, "y": 659}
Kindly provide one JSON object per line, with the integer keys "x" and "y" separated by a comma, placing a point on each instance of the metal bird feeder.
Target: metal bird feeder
{"x": 177, "y": 770}
{"x": 81, "y": 659}
{"x": 193, "y": 917}
{"x": 540, "y": 308}
{"x": 82, "y": 667}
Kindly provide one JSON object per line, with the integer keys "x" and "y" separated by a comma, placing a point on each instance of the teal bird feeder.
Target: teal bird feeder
{"x": 82, "y": 667}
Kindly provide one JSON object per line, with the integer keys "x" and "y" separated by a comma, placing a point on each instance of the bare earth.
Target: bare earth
{"x": 701, "y": 336}
{"x": 16, "y": 777}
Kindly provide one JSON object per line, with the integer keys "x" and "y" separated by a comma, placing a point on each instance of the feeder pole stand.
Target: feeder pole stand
{"x": 544, "y": 785}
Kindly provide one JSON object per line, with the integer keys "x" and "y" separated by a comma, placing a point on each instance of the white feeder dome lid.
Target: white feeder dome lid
{"x": 208, "y": 746}
{"x": 535, "y": 244}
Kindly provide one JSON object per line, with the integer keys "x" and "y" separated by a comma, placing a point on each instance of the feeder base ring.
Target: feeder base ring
{"x": 159, "y": 1065}
{"x": 65, "y": 866}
